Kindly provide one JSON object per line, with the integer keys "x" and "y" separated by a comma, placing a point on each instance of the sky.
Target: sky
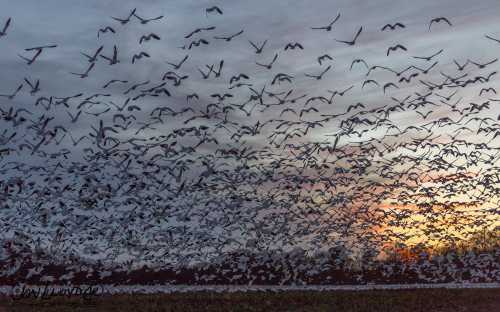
{"x": 241, "y": 205}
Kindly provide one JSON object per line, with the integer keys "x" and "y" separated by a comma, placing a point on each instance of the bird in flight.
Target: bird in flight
{"x": 197, "y": 30}
{"x": 329, "y": 26}
{"x": 5, "y": 27}
{"x": 428, "y": 58}
{"x": 270, "y": 65}
{"x": 148, "y": 37}
{"x": 491, "y": 38}
{"x": 114, "y": 59}
{"x": 147, "y": 20}
{"x": 93, "y": 58}
{"x": 318, "y": 77}
{"x": 395, "y": 48}
{"x": 353, "y": 41}
{"x": 214, "y": 9}
{"x": 86, "y": 73}
{"x": 229, "y": 38}
{"x": 438, "y": 20}
{"x": 392, "y": 26}
{"x": 105, "y": 30}
{"x": 178, "y": 65}
{"x": 37, "y": 53}
{"x": 124, "y": 21}
{"x": 258, "y": 49}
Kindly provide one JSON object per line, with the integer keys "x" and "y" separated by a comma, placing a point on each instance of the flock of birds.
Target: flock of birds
{"x": 158, "y": 170}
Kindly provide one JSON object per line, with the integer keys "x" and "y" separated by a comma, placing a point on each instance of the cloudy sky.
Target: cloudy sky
{"x": 73, "y": 26}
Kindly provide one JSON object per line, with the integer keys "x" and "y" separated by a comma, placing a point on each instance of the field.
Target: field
{"x": 428, "y": 300}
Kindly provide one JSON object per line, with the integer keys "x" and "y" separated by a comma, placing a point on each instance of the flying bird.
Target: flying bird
{"x": 324, "y": 57}
{"x": 93, "y": 58}
{"x": 329, "y": 26}
{"x": 139, "y": 56}
{"x": 147, "y": 20}
{"x": 35, "y": 87}
{"x": 3, "y": 32}
{"x": 148, "y": 37}
{"x": 178, "y": 65}
{"x": 213, "y": 9}
{"x": 105, "y": 30}
{"x": 230, "y": 37}
{"x": 353, "y": 41}
{"x": 86, "y": 73}
{"x": 37, "y": 53}
{"x": 124, "y": 21}
{"x": 356, "y": 61}
{"x": 491, "y": 38}
{"x": 395, "y": 48}
{"x": 392, "y": 26}
{"x": 11, "y": 96}
{"x": 113, "y": 59}
{"x": 293, "y": 46}
{"x": 197, "y": 30}
{"x": 438, "y": 20}
{"x": 428, "y": 58}
{"x": 114, "y": 81}
{"x": 258, "y": 49}
{"x": 318, "y": 77}
{"x": 270, "y": 65}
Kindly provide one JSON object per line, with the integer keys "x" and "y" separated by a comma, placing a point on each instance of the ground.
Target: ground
{"x": 425, "y": 300}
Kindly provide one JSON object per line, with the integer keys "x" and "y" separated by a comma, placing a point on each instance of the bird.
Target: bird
{"x": 35, "y": 87}
{"x": 329, "y": 26}
{"x": 197, "y": 43}
{"x": 105, "y": 30}
{"x": 93, "y": 58}
{"x": 178, "y": 65}
{"x": 206, "y": 75}
{"x": 147, "y": 20}
{"x": 237, "y": 78}
{"x": 487, "y": 90}
{"x": 218, "y": 72}
{"x": 318, "y": 77}
{"x": 113, "y": 59}
{"x": 293, "y": 46}
{"x": 86, "y": 73}
{"x": 74, "y": 118}
{"x": 392, "y": 26}
{"x": 390, "y": 84}
{"x": 461, "y": 67}
{"x": 213, "y": 9}
{"x": 148, "y": 37}
{"x": 13, "y": 95}
{"x": 353, "y": 41}
{"x": 424, "y": 116}
{"x": 324, "y": 57}
{"x": 438, "y": 20}
{"x": 428, "y": 58}
{"x": 230, "y": 37}
{"x": 197, "y": 30}
{"x": 114, "y": 81}
{"x": 395, "y": 48}
{"x": 483, "y": 65}
{"x": 258, "y": 49}
{"x": 3, "y": 32}
{"x": 491, "y": 38}
{"x": 124, "y": 21}
{"x": 356, "y": 61}
{"x": 369, "y": 81}
{"x": 37, "y": 53}
{"x": 269, "y": 65}
{"x": 139, "y": 56}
